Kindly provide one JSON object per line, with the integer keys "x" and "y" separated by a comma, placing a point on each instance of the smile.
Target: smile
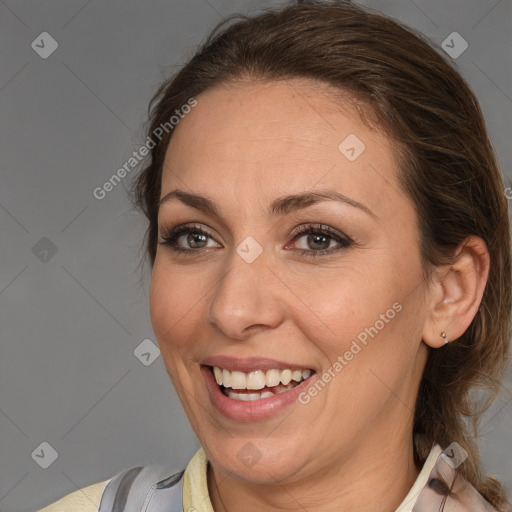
{"x": 257, "y": 384}
{"x": 253, "y": 394}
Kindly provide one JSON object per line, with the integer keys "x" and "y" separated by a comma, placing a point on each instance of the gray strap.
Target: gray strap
{"x": 167, "y": 495}
{"x": 123, "y": 487}
{"x": 144, "y": 489}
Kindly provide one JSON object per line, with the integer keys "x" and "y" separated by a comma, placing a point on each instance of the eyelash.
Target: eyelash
{"x": 170, "y": 237}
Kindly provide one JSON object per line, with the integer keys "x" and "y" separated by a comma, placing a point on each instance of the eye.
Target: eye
{"x": 318, "y": 238}
{"x": 193, "y": 235}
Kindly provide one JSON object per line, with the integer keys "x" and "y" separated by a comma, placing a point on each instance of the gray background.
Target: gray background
{"x": 70, "y": 321}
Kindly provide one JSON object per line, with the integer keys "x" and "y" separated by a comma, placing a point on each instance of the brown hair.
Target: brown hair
{"x": 447, "y": 166}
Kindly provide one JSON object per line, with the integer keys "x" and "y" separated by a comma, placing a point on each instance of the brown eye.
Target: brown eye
{"x": 318, "y": 240}
{"x": 195, "y": 238}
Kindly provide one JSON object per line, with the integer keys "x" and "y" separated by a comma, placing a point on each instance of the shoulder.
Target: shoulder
{"x": 133, "y": 489}
{"x": 128, "y": 490}
{"x": 86, "y": 499}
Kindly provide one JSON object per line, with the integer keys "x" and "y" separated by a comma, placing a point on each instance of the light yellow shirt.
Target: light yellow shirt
{"x": 195, "y": 489}
{"x": 86, "y": 499}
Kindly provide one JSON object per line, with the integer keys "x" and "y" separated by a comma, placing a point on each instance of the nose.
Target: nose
{"x": 247, "y": 299}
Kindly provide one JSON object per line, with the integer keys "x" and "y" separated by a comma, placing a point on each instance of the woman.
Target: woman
{"x": 330, "y": 253}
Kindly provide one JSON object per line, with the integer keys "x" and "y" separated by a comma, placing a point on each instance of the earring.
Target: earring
{"x": 443, "y": 335}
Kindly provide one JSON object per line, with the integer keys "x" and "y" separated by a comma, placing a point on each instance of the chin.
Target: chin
{"x": 247, "y": 461}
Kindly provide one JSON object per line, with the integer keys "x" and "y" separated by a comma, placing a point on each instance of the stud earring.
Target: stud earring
{"x": 443, "y": 335}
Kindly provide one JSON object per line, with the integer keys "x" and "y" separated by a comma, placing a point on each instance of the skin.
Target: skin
{"x": 243, "y": 146}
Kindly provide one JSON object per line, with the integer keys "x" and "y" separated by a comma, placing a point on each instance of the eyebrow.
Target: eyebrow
{"x": 279, "y": 207}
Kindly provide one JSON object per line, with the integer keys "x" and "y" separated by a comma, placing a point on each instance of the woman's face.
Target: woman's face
{"x": 256, "y": 294}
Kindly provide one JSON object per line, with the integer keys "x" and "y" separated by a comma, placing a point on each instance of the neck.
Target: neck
{"x": 366, "y": 481}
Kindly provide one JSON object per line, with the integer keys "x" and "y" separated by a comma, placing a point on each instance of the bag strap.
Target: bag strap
{"x": 144, "y": 489}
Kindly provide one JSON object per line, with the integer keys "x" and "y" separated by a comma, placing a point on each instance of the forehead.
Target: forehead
{"x": 281, "y": 136}
{"x": 274, "y": 114}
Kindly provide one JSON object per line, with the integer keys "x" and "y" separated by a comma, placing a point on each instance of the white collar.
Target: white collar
{"x": 409, "y": 501}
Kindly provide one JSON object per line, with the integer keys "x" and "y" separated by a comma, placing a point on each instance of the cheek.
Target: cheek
{"x": 173, "y": 306}
{"x": 363, "y": 321}
{"x": 348, "y": 302}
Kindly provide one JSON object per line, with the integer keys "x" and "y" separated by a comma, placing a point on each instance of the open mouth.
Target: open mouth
{"x": 258, "y": 384}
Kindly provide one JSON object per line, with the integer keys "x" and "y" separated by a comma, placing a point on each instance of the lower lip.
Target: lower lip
{"x": 255, "y": 410}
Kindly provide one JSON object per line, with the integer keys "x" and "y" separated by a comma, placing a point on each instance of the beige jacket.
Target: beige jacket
{"x": 86, "y": 499}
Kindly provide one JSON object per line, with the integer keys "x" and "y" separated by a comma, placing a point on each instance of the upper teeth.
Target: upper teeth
{"x": 257, "y": 379}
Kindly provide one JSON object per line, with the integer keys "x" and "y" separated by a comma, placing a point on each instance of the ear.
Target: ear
{"x": 456, "y": 293}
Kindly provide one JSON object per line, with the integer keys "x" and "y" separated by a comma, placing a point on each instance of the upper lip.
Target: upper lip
{"x": 250, "y": 364}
